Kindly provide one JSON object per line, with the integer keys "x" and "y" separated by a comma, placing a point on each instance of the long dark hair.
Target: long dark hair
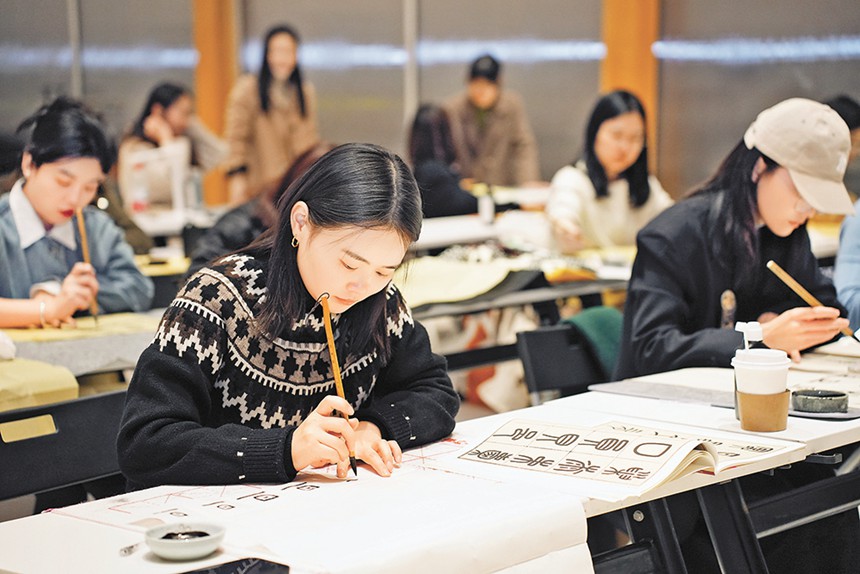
{"x": 430, "y": 137}
{"x": 264, "y": 79}
{"x": 607, "y": 107}
{"x": 66, "y": 128}
{"x": 164, "y": 94}
{"x": 736, "y": 217}
{"x": 355, "y": 184}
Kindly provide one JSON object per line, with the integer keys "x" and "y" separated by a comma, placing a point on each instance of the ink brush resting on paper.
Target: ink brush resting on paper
{"x": 800, "y": 290}
{"x": 335, "y": 367}
{"x": 85, "y": 248}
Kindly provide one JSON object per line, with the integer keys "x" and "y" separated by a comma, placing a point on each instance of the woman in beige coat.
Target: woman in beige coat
{"x": 271, "y": 117}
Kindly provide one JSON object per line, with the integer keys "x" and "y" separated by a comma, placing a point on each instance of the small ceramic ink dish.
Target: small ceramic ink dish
{"x": 819, "y": 401}
{"x": 184, "y": 541}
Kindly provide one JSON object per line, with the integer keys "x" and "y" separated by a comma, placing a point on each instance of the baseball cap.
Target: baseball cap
{"x": 812, "y": 142}
{"x": 485, "y": 67}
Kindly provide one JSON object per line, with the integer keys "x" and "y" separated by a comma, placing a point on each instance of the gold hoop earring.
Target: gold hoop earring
{"x": 294, "y": 242}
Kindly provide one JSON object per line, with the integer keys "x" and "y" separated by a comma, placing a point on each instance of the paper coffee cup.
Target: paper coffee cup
{"x": 761, "y": 395}
{"x": 761, "y": 371}
{"x": 763, "y": 413}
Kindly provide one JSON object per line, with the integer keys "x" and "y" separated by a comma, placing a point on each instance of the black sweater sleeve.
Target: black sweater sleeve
{"x": 168, "y": 433}
{"x": 414, "y": 401}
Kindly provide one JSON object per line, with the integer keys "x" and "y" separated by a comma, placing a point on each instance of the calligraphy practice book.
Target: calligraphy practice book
{"x": 611, "y": 460}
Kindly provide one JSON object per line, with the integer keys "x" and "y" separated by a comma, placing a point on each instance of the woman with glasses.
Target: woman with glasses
{"x": 606, "y": 197}
{"x": 700, "y": 266}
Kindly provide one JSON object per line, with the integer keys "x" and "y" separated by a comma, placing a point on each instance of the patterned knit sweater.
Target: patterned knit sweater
{"x": 213, "y": 402}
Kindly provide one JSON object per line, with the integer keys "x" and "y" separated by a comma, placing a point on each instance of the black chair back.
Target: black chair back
{"x": 557, "y": 362}
{"x": 82, "y": 448}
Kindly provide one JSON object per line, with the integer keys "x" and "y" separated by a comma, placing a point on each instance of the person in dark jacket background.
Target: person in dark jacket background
{"x": 431, "y": 151}
{"x": 789, "y": 166}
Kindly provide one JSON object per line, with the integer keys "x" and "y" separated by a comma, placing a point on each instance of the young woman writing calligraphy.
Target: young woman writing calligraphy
{"x": 238, "y": 384}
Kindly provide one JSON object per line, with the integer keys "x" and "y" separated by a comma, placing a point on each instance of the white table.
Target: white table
{"x": 689, "y": 385}
{"x": 171, "y": 222}
{"x": 439, "y": 232}
{"x": 421, "y": 519}
{"x": 416, "y": 521}
{"x": 736, "y": 526}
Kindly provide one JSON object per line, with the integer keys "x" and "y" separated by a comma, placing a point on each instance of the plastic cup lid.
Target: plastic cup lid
{"x": 764, "y": 358}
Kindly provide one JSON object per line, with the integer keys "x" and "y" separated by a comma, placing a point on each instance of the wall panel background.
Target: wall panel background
{"x": 723, "y": 62}
{"x": 373, "y": 61}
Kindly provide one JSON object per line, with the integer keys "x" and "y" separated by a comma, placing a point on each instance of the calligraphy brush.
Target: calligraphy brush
{"x": 85, "y": 248}
{"x": 799, "y": 289}
{"x": 335, "y": 367}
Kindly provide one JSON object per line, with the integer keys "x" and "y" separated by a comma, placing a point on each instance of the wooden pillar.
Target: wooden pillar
{"x": 629, "y": 29}
{"x": 215, "y": 37}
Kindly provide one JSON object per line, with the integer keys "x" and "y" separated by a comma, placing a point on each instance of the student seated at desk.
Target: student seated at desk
{"x": 605, "y": 198}
{"x": 492, "y": 135}
{"x": 242, "y": 225}
{"x": 167, "y": 123}
{"x": 43, "y": 279}
{"x": 713, "y": 247}
{"x": 431, "y": 151}
{"x": 238, "y": 383}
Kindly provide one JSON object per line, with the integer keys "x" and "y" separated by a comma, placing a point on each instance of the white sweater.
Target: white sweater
{"x": 607, "y": 221}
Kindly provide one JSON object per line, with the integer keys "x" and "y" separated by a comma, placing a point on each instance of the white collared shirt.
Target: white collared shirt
{"x": 29, "y": 224}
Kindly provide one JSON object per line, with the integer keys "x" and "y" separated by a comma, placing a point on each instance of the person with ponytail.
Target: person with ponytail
{"x": 701, "y": 266}
{"x": 271, "y": 117}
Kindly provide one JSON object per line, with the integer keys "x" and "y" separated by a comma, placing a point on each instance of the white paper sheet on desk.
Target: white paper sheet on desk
{"x": 721, "y": 380}
{"x": 439, "y": 280}
{"x": 845, "y": 347}
{"x": 718, "y": 378}
{"x": 825, "y": 363}
{"x": 415, "y": 521}
{"x": 418, "y": 530}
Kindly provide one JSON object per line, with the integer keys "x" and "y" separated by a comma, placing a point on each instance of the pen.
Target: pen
{"x": 335, "y": 367}
{"x": 800, "y": 290}
{"x": 85, "y": 248}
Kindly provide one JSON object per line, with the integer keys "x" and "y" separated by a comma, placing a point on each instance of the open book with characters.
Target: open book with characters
{"x": 610, "y": 460}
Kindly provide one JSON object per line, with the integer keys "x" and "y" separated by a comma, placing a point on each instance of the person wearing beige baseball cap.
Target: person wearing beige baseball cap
{"x": 812, "y": 142}
{"x": 788, "y": 166}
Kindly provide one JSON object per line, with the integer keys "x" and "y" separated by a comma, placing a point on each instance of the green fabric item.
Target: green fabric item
{"x": 601, "y": 327}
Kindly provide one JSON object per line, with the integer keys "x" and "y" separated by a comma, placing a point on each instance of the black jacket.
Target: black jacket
{"x": 672, "y": 314}
{"x": 441, "y": 194}
{"x": 234, "y": 230}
